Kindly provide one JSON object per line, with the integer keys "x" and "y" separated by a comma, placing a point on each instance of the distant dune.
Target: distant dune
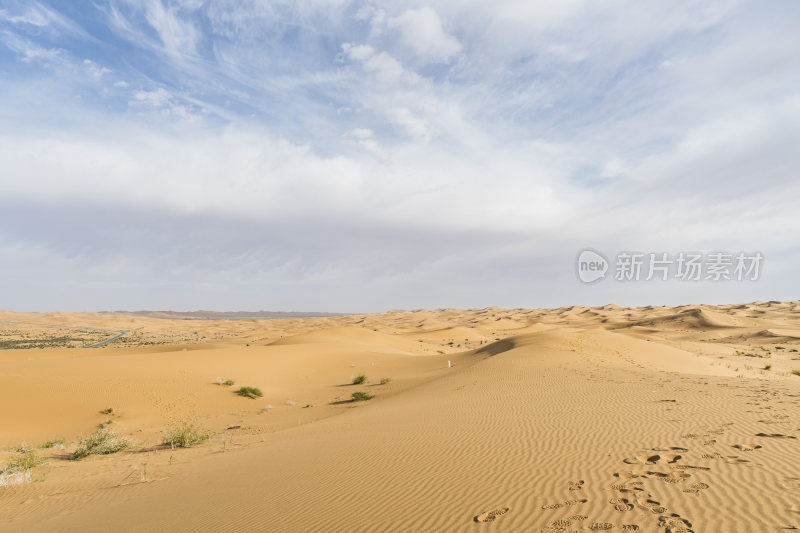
{"x": 573, "y": 419}
{"x": 227, "y": 315}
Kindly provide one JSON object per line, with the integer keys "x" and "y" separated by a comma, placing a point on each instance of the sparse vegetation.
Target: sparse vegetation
{"x": 767, "y": 367}
{"x": 58, "y": 442}
{"x": 101, "y": 442}
{"x": 26, "y": 462}
{"x": 796, "y": 372}
{"x": 360, "y": 379}
{"x": 384, "y": 381}
{"x": 22, "y": 448}
{"x": 184, "y": 436}
{"x": 361, "y": 396}
{"x": 226, "y": 383}
{"x": 250, "y": 392}
{"x": 107, "y": 411}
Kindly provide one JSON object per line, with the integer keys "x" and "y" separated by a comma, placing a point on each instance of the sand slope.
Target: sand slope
{"x": 570, "y": 421}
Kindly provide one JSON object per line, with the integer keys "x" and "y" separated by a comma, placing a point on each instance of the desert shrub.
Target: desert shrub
{"x": 767, "y": 367}
{"x": 101, "y": 442}
{"x": 250, "y": 392}
{"x": 184, "y": 436}
{"x": 107, "y": 411}
{"x": 384, "y": 381}
{"x": 359, "y": 379}
{"x": 57, "y": 442}
{"x": 26, "y": 462}
{"x": 796, "y": 372}
{"x": 361, "y": 396}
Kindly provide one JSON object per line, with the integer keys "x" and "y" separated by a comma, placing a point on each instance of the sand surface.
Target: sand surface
{"x": 572, "y": 419}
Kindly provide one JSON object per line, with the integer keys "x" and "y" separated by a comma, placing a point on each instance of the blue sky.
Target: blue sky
{"x": 361, "y": 156}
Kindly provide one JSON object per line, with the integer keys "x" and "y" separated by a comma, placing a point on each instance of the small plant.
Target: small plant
{"x": 250, "y": 392}
{"x": 226, "y": 383}
{"x": 101, "y": 442}
{"x": 26, "y": 462}
{"x": 767, "y": 367}
{"x": 384, "y": 381}
{"x": 57, "y": 442}
{"x": 107, "y": 411}
{"x": 361, "y": 396}
{"x": 184, "y": 436}
{"x": 22, "y": 448}
{"x": 105, "y": 424}
{"x": 359, "y": 379}
{"x": 796, "y": 372}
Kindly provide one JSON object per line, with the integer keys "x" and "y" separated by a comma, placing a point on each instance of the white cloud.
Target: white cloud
{"x": 421, "y": 33}
{"x": 178, "y": 35}
{"x": 95, "y": 71}
{"x": 386, "y": 68}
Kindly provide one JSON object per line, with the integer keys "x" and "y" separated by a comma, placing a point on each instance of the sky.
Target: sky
{"x": 360, "y": 156}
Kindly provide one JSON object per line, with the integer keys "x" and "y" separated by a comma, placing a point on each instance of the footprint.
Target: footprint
{"x": 560, "y": 524}
{"x": 676, "y": 476}
{"x": 775, "y": 435}
{"x": 652, "y": 459}
{"x": 675, "y": 524}
{"x": 578, "y": 517}
{"x": 563, "y": 504}
{"x": 791, "y": 483}
{"x": 747, "y": 447}
{"x": 489, "y": 516}
{"x": 576, "y": 484}
{"x": 621, "y": 504}
{"x": 601, "y": 526}
{"x": 695, "y": 488}
{"x": 735, "y": 459}
{"x": 630, "y": 527}
{"x": 633, "y": 474}
{"x": 652, "y": 506}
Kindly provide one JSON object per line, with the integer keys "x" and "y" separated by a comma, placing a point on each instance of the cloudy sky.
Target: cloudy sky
{"x": 366, "y": 155}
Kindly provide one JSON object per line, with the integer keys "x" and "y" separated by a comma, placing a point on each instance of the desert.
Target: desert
{"x": 570, "y": 419}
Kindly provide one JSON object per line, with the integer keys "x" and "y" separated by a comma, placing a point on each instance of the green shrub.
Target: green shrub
{"x": 767, "y": 367}
{"x": 250, "y": 392}
{"x": 107, "y": 411}
{"x": 384, "y": 381}
{"x": 184, "y": 436}
{"x": 57, "y": 442}
{"x": 796, "y": 372}
{"x": 359, "y": 379}
{"x": 101, "y": 442}
{"x": 26, "y": 462}
{"x": 361, "y": 396}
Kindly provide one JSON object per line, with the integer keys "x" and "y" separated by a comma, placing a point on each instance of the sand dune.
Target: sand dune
{"x": 605, "y": 418}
